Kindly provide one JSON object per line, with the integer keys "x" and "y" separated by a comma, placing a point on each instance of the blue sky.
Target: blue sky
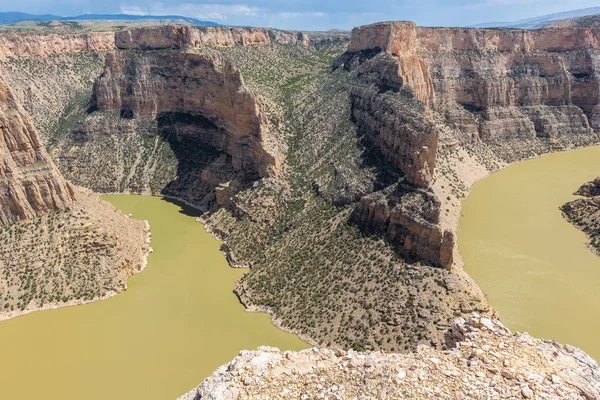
{"x": 313, "y": 14}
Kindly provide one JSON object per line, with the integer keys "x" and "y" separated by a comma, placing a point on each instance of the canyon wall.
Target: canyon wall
{"x": 477, "y": 86}
{"x": 522, "y": 82}
{"x": 204, "y": 95}
{"x": 186, "y": 37}
{"x": 29, "y": 181}
{"x": 160, "y": 37}
{"x": 31, "y": 44}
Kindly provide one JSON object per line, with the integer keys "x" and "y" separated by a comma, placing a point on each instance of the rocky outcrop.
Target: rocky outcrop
{"x": 486, "y": 362}
{"x": 584, "y": 213}
{"x": 30, "y": 44}
{"x": 409, "y": 217}
{"x": 202, "y": 95}
{"x": 589, "y": 189}
{"x": 29, "y": 181}
{"x": 186, "y": 37}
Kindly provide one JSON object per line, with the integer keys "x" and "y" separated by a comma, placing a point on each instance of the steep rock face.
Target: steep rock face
{"x": 191, "y": 91}
{"x": 487, "y": 362}
{"x": 409, "y": 217}
{"x": 482, "y": 69}
{"x": 474, "y": 86}
{"x": 186, "y": 37}
{"x": 30, "y": 44}
{"x": 29, "y": 181}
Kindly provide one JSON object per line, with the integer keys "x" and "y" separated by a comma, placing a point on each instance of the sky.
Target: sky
{"x": 312, "y": 14}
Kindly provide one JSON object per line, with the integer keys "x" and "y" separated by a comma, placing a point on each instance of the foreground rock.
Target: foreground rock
{"x": 584, "y": 213}
{"x": 487, "y": 362}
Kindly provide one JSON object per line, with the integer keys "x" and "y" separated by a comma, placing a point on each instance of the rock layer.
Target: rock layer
{"x": 165, "y": 36}
{"x": 486, "y": 362}
{"x": 481, "y": 69}
{"x": 475, "y": 85}
{"x": 30, "y": 44}
{"x": 186, "y": 37}
{"x": 196, "y": 91}
{"x": 29, "y": 181}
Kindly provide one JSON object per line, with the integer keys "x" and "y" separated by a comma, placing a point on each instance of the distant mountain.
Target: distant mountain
{"x": 8, "y": 18}
{"x": 542, "y": 21}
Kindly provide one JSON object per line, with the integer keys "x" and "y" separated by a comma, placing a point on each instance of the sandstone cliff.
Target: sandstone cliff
{"x": 487, "y": 362}
{"x": 29, "y": 181}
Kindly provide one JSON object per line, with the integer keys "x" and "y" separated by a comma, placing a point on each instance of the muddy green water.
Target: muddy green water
{"x": 176, "y": 323}
{"x": 533, "y": 264}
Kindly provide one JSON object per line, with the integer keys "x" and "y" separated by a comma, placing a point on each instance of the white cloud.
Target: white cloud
{"x": 219, "y": 12}
{"x": 235, "y": 14}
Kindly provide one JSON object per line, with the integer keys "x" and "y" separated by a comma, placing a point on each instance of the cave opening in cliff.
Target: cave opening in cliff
{"x": 204, "y": 170}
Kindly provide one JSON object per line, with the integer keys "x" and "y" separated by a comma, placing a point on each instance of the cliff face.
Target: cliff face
{"x": 29, "y": 181}
{"x": 30, "y": 44}
{"x": 584, "y": 213}
{"x": 497, "y": 74}
{"x": 199, "y": 95}
{"x": 160, "y": 37}
{"x": 410, "y": 219}
{"x": 185, "y": 37}
{"x": 476, "y": 86}
{"x": 487, "y": 362}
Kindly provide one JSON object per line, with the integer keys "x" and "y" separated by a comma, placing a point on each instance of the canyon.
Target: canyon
{"x": 333, "y": 165}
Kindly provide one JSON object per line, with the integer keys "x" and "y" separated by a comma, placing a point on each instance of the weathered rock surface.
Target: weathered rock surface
{"x": 30, "y": 44}
{"x": 589, "y": 189}
{"x": 584, "y": 213}
{"x": 186, "y": 37}
{"x": 409, "y": 217}
{"x": 160, "y": 37}
{"x": 487, "y": 361}
{"x": 29, "y": 181}
{"x": 489, "y": 90}
{"x": 196, "y": 91}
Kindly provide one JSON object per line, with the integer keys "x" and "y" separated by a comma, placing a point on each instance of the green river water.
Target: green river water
{"x": 176, "y": 323}
{"x": 533, "y": 264}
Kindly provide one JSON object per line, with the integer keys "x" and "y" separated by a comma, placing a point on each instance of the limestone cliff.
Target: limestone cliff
{"x": 484, "y": 89}
{"x": 486, "y": 362}
{"x": 29, "y": 181}
{"x": 186, "y": 37}
{"x": 209, "y": 90}
{"x": 30, "y": 44}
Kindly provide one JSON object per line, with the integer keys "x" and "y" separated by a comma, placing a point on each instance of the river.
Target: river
{"x": 533, "y": 264}
{"x": 176, "y": 323}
